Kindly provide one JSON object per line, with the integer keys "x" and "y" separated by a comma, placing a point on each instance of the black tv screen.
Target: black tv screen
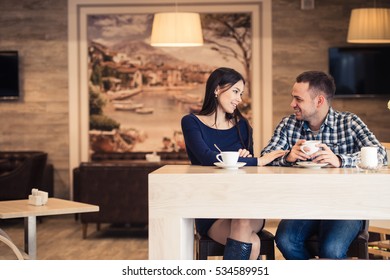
{"x": 362, "y": 71}
{"x": 9, "y": 75}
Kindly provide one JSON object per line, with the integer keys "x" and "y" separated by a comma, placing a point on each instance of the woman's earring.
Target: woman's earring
{"x": 216, "y": 94}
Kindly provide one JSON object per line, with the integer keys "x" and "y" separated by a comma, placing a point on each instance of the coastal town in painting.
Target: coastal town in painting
{"x": 139, "y": 93}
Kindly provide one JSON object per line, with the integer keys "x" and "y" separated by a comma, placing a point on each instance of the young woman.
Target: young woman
{"x": 220, "y": 122}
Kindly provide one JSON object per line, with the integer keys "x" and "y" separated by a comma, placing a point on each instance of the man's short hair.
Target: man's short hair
{"x": 319, "y": 82}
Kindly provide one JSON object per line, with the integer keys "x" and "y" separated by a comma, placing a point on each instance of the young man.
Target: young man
{"x": 342, "y": 135}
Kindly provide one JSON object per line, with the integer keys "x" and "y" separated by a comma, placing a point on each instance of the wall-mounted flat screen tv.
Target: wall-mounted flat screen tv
{"x": 362, "y": 71}
{"x": 9, "y": 75}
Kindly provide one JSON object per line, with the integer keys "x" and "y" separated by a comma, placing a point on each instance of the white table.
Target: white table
{"x": 180, "y": 193}
{"x": 21, "y": 209}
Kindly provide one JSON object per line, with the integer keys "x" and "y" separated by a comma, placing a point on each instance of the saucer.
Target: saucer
{"x": 366, "y": 169}
{"x": 310, "y": 164}
{"x": 236, "y": 166}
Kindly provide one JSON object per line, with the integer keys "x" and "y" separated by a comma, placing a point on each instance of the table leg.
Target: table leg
{"x": 30, "y": 236}
{"x": 171, "y": 238}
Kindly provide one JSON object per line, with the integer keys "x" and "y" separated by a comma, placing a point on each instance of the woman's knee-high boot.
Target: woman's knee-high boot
{"x": 237, "y": 250}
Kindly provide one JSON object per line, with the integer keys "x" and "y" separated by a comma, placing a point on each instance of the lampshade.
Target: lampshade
{"x": 176, "y": 30}
{"x": 369, "y": 25}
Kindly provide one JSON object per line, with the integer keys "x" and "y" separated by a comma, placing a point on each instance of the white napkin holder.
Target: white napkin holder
{"x": 37, "y": 197}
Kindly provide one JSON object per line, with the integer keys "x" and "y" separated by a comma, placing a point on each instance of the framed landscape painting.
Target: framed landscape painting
{"x": 139, "y": 93}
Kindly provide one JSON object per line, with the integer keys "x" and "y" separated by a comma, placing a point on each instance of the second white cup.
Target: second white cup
{"x": 369, "y": 157}
{"x": 228, "y": 158}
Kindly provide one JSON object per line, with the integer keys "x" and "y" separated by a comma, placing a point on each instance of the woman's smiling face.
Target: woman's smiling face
{"x": 229, "y": 99}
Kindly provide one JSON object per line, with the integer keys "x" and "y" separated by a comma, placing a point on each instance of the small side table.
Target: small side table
{"x": 55, "y": 206}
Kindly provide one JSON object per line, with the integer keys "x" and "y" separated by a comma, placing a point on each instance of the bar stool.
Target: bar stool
{"x": 206, "y": 247}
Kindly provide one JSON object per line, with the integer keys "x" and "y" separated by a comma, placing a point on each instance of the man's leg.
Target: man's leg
{"x": 291, "y": 236}
{"x": 336, "y": 236}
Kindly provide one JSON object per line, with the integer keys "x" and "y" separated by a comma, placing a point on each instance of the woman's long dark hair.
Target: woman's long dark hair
{"x": 224, "y": 78}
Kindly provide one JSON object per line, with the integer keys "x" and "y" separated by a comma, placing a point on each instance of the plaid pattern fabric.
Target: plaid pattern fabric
{"x": 343, "y": 132}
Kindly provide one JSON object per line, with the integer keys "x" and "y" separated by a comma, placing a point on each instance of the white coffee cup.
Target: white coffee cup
{"x": 310, "y": 147}
{"x": 369, "y": 157}
{"x": 228, "y": 158}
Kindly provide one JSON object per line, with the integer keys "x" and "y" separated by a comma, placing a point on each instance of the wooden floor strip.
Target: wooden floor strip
{"x": 60, "y": 238}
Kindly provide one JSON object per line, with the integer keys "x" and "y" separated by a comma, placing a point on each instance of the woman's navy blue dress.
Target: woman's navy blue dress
{"x": 200, "y": 140}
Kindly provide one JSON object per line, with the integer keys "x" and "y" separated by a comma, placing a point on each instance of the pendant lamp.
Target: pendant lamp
{"x": 176, "y": 29}
{"x": 370, "y": 26}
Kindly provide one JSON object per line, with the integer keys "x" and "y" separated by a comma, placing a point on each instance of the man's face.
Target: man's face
{"x": 305, "y": 107}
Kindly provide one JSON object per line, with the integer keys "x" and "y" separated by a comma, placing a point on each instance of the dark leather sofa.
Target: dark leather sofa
{"x": 21, "y": 171}
{"x": 15, "y": 180}
{"x": 118, "y": 183}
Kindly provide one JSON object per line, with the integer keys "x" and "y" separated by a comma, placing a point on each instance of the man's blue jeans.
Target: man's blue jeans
{"x": 335, "y": 236}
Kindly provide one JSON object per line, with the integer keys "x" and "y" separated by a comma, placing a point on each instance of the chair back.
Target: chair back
{"x": 7, "y": 241}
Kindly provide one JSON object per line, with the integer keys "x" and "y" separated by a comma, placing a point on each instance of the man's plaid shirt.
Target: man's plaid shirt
{"x": 343, "y": 132}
